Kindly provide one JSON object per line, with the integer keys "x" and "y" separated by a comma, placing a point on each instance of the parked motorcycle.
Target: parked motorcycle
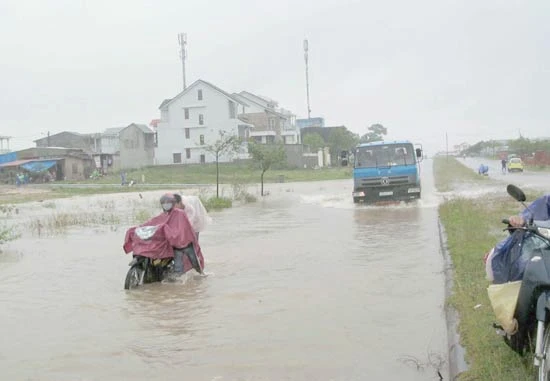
{"x": 144, "y": 269}
{"x": 528, "y": 261}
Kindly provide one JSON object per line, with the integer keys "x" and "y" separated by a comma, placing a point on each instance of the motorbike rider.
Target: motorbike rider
{"x": 168, "y": 203}
{"x": 195, "y": 211}
{"x": 538, "y": 210}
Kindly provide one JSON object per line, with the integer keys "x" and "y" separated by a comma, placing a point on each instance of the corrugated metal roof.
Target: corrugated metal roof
{"x": 17, "y": 163}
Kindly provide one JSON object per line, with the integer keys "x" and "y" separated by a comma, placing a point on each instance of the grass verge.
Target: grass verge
{"x": 229, "y": 173}
{"x": 472, "y": 227}
{"x": 448, "y": 172}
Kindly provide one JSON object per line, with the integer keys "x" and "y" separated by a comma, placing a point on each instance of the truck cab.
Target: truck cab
{"x": 387, "y": 171}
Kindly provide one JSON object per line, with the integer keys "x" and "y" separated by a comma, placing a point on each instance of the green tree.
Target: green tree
{"x": 314, "y": 141}
{"x": 265, "y": 156}
{"x": 341, "y": 139}
{"x": 376, "y": 132}
{"x": 226, "y": 145}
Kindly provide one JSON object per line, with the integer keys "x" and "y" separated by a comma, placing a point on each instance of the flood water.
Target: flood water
{"x": 303, "y": 285}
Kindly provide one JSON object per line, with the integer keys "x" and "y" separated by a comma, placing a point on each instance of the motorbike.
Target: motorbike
{"x": 532, "y": 310}
{"x": 147, "y": 270}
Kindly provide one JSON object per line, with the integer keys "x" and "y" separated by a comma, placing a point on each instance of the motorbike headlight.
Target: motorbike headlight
{"x": 146, "y": 232}
{"x": 544, "y": 232}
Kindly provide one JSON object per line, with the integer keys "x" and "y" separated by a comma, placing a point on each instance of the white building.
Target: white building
{"x": 193, "y": 119}
{"x": 271, "y": 123}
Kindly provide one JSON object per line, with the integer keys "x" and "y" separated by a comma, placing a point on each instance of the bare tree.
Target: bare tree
{"x": 226, "y": 145}
{"x": 266, "y": 155}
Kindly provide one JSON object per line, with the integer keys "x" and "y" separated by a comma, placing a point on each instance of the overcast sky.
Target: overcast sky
{"x": 477, "y": 70}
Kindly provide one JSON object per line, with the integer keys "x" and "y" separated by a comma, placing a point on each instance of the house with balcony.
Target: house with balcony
{"x": 127, "y": 147}
{"x": 193, "y": 119}
{"x": 271, "y": 124}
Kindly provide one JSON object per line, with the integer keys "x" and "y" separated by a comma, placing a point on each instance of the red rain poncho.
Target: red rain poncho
{"x": 174, "y": 231}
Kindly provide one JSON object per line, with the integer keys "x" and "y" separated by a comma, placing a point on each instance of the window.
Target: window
{"x": 272, "y": 123}
{"x": 201, "y": 119}
{"x": 188, "y": 153}
{"x": 203, "y": 159}
{"x": 202, "y": 140}
{"x": 75, "y": 168}
{"x": 186, "y": 112}
{"x": 232, "y": 111}
{"x": 199, "y": 95}
{"x": 177, "y": 158}
{"x": 187, "y": 135}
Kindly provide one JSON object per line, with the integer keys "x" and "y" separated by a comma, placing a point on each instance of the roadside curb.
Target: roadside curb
{"x": 456, "y": 353}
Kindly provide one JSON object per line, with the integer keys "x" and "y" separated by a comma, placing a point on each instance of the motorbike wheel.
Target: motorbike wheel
{"x": 544, "y": 368}
{"x": 133, "y": 277}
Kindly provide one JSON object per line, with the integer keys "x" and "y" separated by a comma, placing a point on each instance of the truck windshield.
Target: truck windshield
{"x": 386, "y": 155}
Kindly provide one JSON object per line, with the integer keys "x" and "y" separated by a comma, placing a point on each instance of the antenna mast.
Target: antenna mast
{"x": 306, "y": 49}
{"x": 182, "y": 39}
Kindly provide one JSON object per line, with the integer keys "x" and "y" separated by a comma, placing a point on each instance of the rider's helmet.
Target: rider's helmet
{"x": 167, "y": 201}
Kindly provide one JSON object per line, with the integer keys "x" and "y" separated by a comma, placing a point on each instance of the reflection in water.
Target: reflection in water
{"x": 305, "y": 286}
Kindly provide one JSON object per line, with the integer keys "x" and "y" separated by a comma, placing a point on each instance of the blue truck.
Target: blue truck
{"x": 386, "y": 170}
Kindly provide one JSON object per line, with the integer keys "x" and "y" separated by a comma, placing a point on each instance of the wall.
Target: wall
{"x": 136, "y": 148}
{"x": 171, "y": 132}
{"x": 294, "y": 155}
{"x": 76, "y": 169}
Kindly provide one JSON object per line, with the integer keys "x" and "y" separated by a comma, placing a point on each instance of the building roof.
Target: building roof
{"x": 277, "y": 111}
{"x": 166, "y": 102}
{"x": 113, "y": 130}
{"x": 143, "y": 127}
{"x": 45, "y": 138}
{"x": 248, "y": 95}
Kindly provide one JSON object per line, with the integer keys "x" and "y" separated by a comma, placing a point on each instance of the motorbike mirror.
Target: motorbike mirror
{"x": 516, "y": 193}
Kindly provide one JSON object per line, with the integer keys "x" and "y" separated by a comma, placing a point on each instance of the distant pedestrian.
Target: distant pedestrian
{"x": 503, "y": 163}
{"x": 123, "y": 178}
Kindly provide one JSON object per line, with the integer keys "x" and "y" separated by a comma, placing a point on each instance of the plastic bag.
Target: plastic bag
{"x": 504, "y": 298}
{"x": 509, "y": 259}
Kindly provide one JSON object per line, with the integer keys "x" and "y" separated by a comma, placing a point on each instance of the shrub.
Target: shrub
{"x": 213, "y": 203}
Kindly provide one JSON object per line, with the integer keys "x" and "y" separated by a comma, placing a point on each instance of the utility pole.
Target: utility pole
{"x": 48, "y": 138}
{"x": 182, "y": 39}
{"x": 306, "y": 49}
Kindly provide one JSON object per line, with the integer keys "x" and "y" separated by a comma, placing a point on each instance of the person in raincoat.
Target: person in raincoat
{"x": 195, "y": 211}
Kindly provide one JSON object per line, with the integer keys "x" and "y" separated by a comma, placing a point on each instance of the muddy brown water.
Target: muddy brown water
{"x": 303, "y": 285}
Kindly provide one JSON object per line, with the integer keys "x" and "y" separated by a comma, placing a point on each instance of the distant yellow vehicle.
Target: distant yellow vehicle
{"x": 515, "y": 165}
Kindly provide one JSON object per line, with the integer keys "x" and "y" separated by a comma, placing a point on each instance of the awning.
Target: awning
{"x": 39, "y": 166}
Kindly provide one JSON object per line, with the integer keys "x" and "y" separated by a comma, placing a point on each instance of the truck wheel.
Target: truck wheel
{"x": 356, "y": 200}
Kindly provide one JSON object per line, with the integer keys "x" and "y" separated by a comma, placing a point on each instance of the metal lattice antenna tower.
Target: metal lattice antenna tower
{"x": 306, "y": 49}
{"x": 182, "y": 39}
